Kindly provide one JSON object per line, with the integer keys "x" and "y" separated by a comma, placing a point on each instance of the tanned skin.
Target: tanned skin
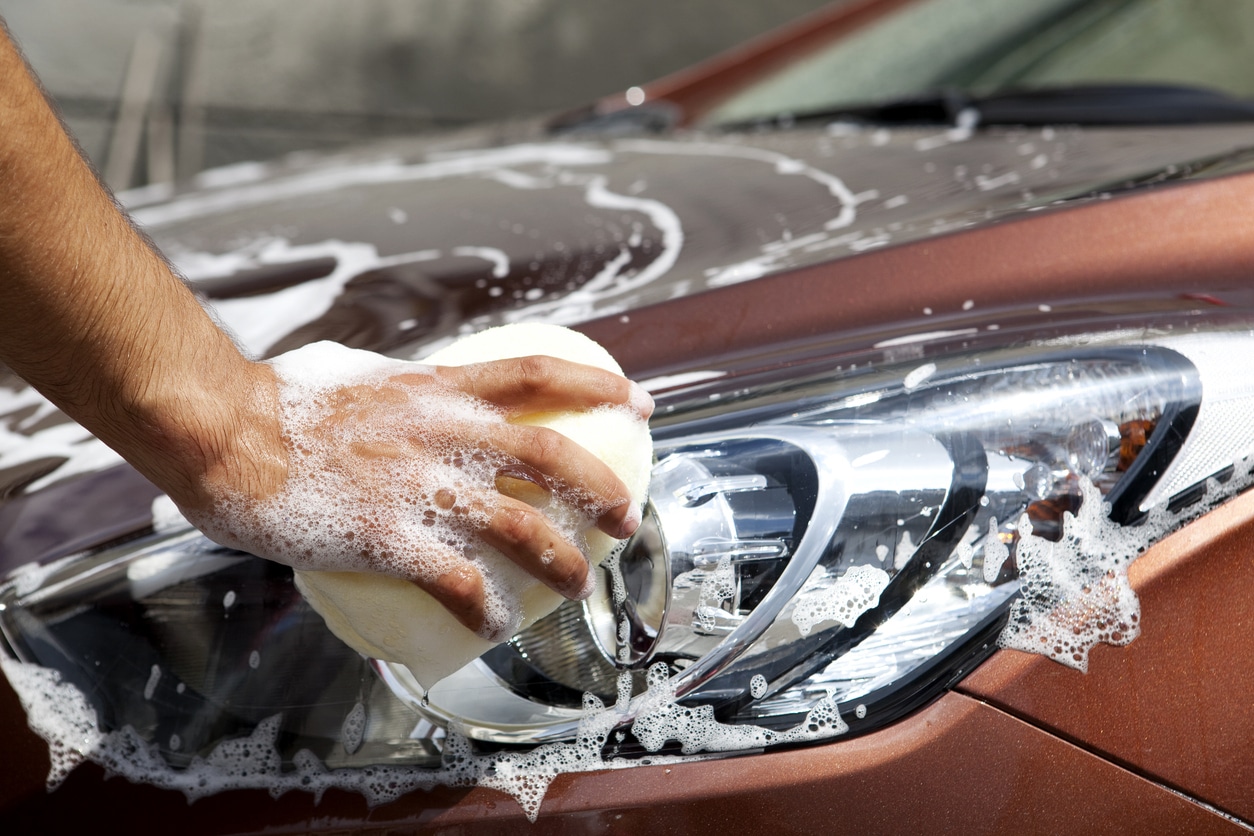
{"x": 93, "y": 317}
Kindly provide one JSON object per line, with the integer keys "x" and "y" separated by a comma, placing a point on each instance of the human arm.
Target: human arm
{"x": 94, "y": 318}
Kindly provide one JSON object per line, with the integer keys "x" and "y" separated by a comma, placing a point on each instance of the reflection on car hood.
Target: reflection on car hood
{"x": 401, "y": 251}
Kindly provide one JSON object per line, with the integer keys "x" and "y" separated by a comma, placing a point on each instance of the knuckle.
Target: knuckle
{"x": 548, "y": 447}
{"x": 460, "y": 590}
{"x": 535, "y": 373}
{"x": 517, "y": 525}
{"x": 570, "y": 576}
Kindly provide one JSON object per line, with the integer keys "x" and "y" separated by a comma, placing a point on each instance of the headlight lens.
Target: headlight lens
{"x": 851, "y": 538}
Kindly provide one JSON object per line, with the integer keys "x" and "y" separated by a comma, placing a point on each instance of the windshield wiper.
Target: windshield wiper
{"x": 1096, "y": 104}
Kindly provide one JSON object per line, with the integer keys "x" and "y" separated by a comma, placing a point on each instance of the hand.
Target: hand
{"x": 406, "y": 471}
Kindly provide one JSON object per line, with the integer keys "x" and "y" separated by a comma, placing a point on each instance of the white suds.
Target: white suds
{"x": 916, "y": 377}
{"x": 995, "y": 552}
{"x": 843, "y": 599}
{"x": 498, "y": 258}
{"x": 166, "y": 516}
{"x": 253, "y": 762}
{"x": 757, "y": 686}
{"x": 661, "y": 718}
{"x": 905, "y": 549}
{"x": 717, "y": 586}
{"x": 154, "y": 677}
{"x": 1075, "y": 592}
{"x": 353, "y": 728}
{"x": 56, "y": 711}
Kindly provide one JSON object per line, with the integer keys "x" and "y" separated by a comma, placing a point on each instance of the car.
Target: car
{"x": 948, "y": 311}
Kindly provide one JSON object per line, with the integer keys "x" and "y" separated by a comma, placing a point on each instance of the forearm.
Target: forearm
{"x": 92, "y": 317}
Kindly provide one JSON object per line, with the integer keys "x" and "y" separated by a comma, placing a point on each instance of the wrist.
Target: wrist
{"x": 201, "y": 434}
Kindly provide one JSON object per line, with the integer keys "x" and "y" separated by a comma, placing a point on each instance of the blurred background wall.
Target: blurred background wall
{"x": 156, "y": 90}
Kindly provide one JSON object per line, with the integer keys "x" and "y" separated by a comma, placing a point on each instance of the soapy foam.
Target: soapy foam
{"x": 717, "y": 586}
{"x": 757, "y": 686}
{"x": 154, "y": 678}
{"x": 660, "y": 719}
{"x": 353, "y": 728}
{"x": 166, "y": 516}
{"x": 60, "y": 714}
{"x": 843, "y": 600}
{"x": 1075, "y": 592}
{"x": 996, "y": 553}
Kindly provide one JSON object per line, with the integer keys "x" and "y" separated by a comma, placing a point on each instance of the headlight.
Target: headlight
{"x": 849, "y": 537}
{"x": 830, "y": 546}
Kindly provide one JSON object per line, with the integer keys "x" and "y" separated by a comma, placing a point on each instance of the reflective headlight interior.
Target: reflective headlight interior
{"x": 844, "y": 537}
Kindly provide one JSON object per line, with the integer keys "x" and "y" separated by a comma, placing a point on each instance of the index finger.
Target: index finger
{"x": 539, "y": 383}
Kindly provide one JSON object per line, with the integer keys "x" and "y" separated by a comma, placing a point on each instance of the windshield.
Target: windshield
{"x": 981, "y": 47}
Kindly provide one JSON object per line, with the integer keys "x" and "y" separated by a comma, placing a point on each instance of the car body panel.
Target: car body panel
{"x": 433, "y": 238}
{"x": 960, "y": 766}
{"x": 1175, "y": 705}
{"x": 1177, "y": 248}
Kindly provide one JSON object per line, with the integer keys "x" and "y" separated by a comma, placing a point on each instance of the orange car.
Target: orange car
{"x": 948, "y": 310}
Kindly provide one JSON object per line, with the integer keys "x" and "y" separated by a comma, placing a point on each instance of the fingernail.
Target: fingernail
{"x": 630, "y": 522}
{"x": 589, "y": 586}
{"x": 641, "y": 400}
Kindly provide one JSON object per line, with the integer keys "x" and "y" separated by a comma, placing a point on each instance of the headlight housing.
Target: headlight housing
{"x": 826, "y": 545}
{"x": 847, "y": 536}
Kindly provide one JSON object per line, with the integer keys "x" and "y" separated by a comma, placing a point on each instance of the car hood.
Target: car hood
{"x": 402, "y": 248}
